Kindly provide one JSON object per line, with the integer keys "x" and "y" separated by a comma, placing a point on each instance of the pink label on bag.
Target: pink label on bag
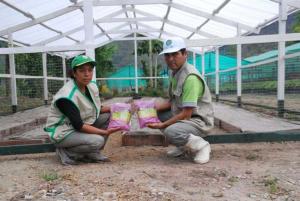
{"x": 147, "y": 113}
{"x": 120, "y": 116}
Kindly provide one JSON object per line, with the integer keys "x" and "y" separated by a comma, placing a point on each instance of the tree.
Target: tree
{"x": 104, "y": 60}
{"x": 296, "y": 25}
{"x": 151, "y": 49}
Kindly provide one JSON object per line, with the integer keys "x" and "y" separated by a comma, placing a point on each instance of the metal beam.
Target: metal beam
{"x": 134, "y": 31}
{"x": 212, "y": 17}
{"x": 147, "y": 19}
{"x": 182, "y": 26}
{"x": 244, "y": 40}
{"x": 165, "y": 18}
{"x": 62, "y": 35}
{"x": 293, "y": 3}
{"x": 29, "y": 15}
{"x": 128, "y": 2}
{"x": 216, "y": 11}
{"x": 40, "y": 19}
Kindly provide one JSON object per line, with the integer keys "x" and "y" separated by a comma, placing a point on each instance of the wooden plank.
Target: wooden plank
{"x": 159, "y": 139}
{"x": 27, "y": 149}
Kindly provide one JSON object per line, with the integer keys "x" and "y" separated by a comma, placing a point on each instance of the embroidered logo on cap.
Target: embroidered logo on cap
{"x": 168, "y": 42}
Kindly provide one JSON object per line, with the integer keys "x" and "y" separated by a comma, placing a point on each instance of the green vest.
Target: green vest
{"x": 58, "y": 126}
{"x": 204, "y": 108}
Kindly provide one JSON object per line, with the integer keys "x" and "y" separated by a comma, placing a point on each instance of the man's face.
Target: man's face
{"x": 175, "y": 60}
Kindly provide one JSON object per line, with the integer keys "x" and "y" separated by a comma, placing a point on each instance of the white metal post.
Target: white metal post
{"x": 135, "y": 65}
{"x": 89, "y": 30}
{"x": 203, "y": 63}
{"x": 65, "y": 69}
{"x": 281, "y": 60}
{"x": 194, "y": 59}
{"x": 217, "y": 74}
{"x": 239, "y": 70}
{"x": 13, "y": 82}
{"x": 45, "y": 81}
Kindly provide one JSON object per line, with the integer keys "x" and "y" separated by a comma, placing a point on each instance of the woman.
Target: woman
{"x": 77, "y": 123}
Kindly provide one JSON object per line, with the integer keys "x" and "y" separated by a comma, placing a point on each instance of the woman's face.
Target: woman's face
{"x": 84, "y": 74}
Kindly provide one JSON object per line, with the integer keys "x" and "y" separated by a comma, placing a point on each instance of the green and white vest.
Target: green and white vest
{"x": 204, "y": 109}
{"x": 58, "y": 125}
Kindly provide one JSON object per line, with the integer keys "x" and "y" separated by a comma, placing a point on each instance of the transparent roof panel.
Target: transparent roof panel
{"x": 103, "y": 11}
{"x": 251, "y": 12}
{"x": 33, "y": 34}
{"x": 63, "y": 41}
{"x": 203, "y": 5}
{"x": 177, "y": 31}
{"x": 157, "y": 10}
{"x": 185, "y": 18}
{"x": 14, "y": 17}
{"x": 64, "y": 23}
{"x": 110, "y": 26}
{"x": 79, "y": 35}
{"x": 219, "y": 29}
{"x": 41, "y": 7}
{"x": 153, "y": 24}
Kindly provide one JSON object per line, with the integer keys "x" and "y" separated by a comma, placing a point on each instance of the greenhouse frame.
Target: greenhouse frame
{"x": 67, "y": 28}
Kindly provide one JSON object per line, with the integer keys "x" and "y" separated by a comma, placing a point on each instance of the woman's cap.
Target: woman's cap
{"x": 82, "y": 59}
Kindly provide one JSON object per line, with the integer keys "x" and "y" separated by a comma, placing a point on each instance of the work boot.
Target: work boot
{"x": 175, "y": 152}
{"x": 98, "y": 157}
{"x": 65, "y": 159}
{"x": 200, "y": 147}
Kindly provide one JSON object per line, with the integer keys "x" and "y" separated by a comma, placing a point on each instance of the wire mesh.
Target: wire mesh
{"x": 211, "y": 83}
{"x": 228, "y": 85}
{"x": 54, "y": 66}
{"x": 53, "y": 87}
{"x": 292, "y": 87}
{"x": 259, "y": 87}
{"x": 29, "y": 93}
{"x": 5, "y": 96}
{"x": 29, "y": 64}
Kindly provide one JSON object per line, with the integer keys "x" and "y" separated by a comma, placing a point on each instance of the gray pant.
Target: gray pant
{"x": 179, "y": 132}
{"x": 79, "y": 145}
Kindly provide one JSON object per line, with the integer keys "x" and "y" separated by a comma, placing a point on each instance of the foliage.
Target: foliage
{"x": 49, "y": 175}
{"x": 271, "y": 183}
{"x": 296, "y": 24}
{"x": 103, "y": 56}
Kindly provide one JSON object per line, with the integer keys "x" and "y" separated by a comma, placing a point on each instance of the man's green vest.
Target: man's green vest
{"x": 204, "y": 109}
{"x": 58, "y": 125}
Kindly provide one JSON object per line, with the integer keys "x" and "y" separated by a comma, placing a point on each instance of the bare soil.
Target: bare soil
{"x": 258, "y": 171}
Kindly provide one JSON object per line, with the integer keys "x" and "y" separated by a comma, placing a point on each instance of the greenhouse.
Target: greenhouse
{"x": 245, "y": 52}
{"x": 44, "y": 36}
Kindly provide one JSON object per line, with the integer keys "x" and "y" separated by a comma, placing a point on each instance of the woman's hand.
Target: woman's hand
{"x": 110, "y": 131}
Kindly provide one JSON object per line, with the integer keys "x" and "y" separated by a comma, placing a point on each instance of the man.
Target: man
{"x": 188, "y": 114}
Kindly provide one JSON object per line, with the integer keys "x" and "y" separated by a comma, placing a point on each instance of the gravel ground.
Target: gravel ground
{"x": 245, "y": 172}
{"x": 259, "y": 171}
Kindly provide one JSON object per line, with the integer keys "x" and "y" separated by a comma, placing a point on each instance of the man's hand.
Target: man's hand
{"x": 157, "y": 125}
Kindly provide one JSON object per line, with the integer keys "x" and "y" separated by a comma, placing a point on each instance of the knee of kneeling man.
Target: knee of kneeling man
{"x": 98, "y": 142}
{"x": 169, "y": 131}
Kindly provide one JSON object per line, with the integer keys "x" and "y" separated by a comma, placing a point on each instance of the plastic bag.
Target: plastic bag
{"x": 146, "y": 112}
{"x": 120, "y": 116}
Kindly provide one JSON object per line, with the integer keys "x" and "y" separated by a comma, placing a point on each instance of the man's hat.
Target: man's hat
{"x": 173, "y": 44}
{"x": 82, "y": 59}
